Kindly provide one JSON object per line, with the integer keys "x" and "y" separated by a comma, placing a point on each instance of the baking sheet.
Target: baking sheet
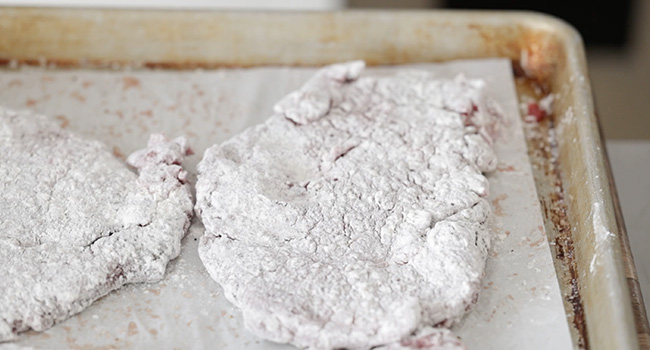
{"x": 520, "y": 305}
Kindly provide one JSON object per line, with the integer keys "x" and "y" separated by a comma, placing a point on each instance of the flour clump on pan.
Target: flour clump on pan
{"x": 76, "y": 223}
{"x": 355, "y": 216}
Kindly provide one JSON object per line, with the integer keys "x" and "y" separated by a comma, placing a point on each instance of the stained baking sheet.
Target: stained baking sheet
{"x": 520, "y": 305}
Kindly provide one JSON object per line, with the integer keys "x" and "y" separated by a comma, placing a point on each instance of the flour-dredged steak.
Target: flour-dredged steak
{"x": 356, "y": 214}
{"x": 76, "y": 223}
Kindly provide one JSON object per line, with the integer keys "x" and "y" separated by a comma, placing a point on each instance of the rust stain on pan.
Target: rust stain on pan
{"x": 176, "y": 39}
{"x": 564, "y": 247}
{"x": 118, "y": 64}
{"x": 101, "y": 63}
{"x": 541, "y": 149}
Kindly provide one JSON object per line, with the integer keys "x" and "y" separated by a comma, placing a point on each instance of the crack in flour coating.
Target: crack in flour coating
{"x": 355, "y": 216}
{"x": 75, "y": 223}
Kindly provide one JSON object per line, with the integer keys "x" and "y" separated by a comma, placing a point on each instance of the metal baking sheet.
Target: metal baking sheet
{"x": 520, "y": 305}
{"x": 604, "y": 304}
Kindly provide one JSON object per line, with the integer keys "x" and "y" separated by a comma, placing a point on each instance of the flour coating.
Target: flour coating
{"x": 75, "y": 223}
{"x": 356, "y": 214}
{"x": 427, "y": 338}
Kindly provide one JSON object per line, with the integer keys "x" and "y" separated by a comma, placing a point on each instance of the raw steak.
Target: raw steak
{"x": 356, "y": 214}
{"x": 75, "y": 223}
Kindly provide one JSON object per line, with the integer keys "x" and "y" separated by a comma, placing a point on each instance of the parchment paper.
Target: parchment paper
{"x": 520, "y": 306}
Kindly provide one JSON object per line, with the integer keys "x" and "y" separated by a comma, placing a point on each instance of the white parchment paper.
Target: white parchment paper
{"x": 520, "y": 306}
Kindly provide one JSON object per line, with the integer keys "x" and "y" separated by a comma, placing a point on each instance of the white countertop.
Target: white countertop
{"x": 631, "y": 166}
